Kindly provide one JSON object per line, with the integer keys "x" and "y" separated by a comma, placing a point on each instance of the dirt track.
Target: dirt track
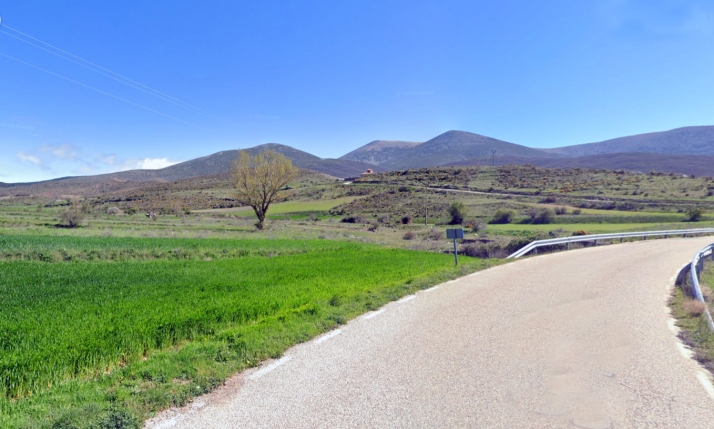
{"x": 575, "y": 339}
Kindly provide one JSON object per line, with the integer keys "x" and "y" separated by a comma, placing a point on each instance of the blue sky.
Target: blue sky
{"x": 330, "y": 76}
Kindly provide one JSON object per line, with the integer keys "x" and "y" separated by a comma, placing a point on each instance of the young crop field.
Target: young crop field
{"x": 68, "y": 248}
{"x": 87, "y": 342}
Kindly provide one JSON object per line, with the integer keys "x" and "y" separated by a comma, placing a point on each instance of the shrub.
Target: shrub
{"x": 550, "y": 199}
{"x": 457, "y": 211}
{"x": 475, "y": 250}
{"x": 114, "y": 211}
{"x": 580, "y": 232}
{"x": 410, "y": 235}
{"x": 542, "y": 216}
{"x": 503, "y": 216}
{"x": 131, "y": 211}
{"x": 354, "y": 219}
{"x": 561, "y": 210}
{"x": 406, "y": 220}
{"x": 694, "y": 214}
{"x": 479, "y": 250}
{"x": 435, "y": 234}
{"x": 72, "y": 216}
{"x": 478, "y": 226}
{"x": 383, "y": 219}
{"x": 694, "y": 307}
{"x": 577, "y": 211}
{"x": 517, "y": 244}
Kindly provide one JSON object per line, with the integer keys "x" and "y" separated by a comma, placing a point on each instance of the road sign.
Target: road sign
{"x": 455, "y": 233}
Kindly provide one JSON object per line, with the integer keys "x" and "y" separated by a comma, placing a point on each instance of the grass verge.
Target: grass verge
{"x": 695, "y": 331}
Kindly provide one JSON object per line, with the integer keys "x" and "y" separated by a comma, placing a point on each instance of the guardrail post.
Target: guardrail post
{"x": 622, "y": 239}
{"x": 645, "y": 238}
{"x": 567, "y": 246}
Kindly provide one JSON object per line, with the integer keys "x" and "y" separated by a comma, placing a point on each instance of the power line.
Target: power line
{"x": 102, "y": 73}
{"x": 160, "y": 94}
{"x": 97, "y": 90}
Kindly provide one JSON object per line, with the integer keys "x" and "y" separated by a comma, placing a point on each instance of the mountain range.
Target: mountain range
{"x": 688, "y": 150}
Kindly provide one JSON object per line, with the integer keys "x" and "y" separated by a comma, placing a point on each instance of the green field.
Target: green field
{"x": 87, "y": 343}
{"x": 290, "y": 206}
{"x": 71, "y": 248}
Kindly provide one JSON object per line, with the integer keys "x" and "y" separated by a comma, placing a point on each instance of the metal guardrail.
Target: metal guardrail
{"x": 695, "y": 268}
{"x": 614, "y": 236}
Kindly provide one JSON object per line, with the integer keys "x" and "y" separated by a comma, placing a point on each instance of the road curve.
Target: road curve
{"x": 574, "y": 339}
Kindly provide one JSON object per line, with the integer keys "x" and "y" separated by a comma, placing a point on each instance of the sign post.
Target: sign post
{"x": 455, "y": 233}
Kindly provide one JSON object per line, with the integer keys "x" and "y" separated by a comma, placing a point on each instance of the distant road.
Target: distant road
{"x": 573, "y": 339}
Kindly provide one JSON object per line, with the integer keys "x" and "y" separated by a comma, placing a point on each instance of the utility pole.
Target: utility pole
{"x": 426, "y": 206}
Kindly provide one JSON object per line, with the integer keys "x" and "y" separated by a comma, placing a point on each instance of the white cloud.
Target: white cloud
{"x": 29, "y": 158}
{"x": 63, "y": 151}
{"x": 155, "y": 163}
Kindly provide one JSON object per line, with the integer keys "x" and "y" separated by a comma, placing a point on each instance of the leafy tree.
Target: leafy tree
{"x": 457, "y": 211}
{"x": 503, "y": 216}
{"x": 694, "y": 214}
{"x": 542, "y": 216}
{"x": 258, "y": 180}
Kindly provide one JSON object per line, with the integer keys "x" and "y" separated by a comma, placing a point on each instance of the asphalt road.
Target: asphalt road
{"x": 574, "y": 339}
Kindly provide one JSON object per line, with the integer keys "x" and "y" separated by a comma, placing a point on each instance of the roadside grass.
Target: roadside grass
{"x": 86, "y": 343}
{"x": 695, "y": 331}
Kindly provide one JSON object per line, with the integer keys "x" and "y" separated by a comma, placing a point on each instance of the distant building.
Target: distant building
{"x": 368, "y": 172}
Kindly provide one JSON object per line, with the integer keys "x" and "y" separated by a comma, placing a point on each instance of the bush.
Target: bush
{"x": 542, "y": 216}
{"x": 694, "y": 214}
{"x": 580, "y": 232}
{"x": 406, "y": 220}
{"x": 435, "y": 234}
{"x": 694, "y": 307}
{"x": 577, "y": 211}
{"x": 517, "y": 244}
{"x": 72, "y": 216}
{"x": 354, "y": 219}
{"x": 491, "y": 250}
{"x": 410, "y": 235}
{"x": 550, "y": 199}
{"x": 478, "y": 226}
{"x": 383, "y": 219}
{"x": 131, "y": 211}
{"x": 114, "y": 211}
{"x": 503, "y": 216}
{"x": 561, "y": 210}
{"x": 457, "y": 211}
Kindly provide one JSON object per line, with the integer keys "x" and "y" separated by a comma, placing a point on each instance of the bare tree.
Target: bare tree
{"x": 259, "y": 179}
